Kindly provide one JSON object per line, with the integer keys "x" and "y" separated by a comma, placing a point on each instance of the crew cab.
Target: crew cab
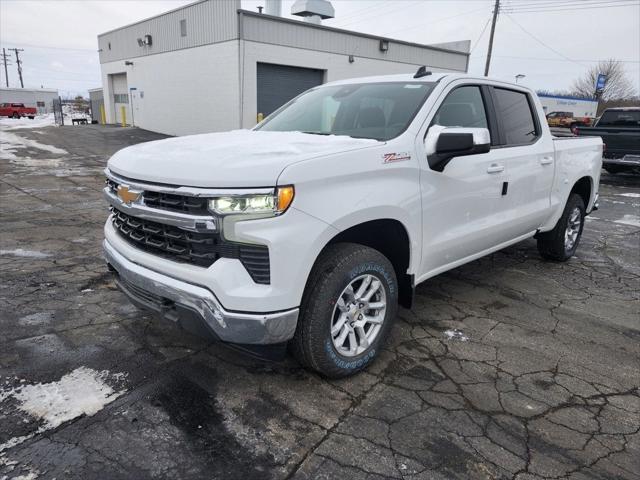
{"x": 619, "y": 129}
{"x": 17, "y": 110}
{"x": 311, "y": 228}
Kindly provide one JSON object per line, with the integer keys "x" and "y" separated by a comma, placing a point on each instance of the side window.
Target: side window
{"x": 515, "y": 113}
{"x": 463, "y": 107}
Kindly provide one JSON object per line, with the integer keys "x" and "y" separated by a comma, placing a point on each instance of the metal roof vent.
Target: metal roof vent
{"x": 313, "y": 11}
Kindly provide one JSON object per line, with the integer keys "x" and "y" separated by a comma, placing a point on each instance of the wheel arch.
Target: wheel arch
{"x": 583, "y": 187}
{"x": 391, "y": 238}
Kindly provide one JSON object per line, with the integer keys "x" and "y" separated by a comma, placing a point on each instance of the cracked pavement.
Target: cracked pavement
{"x": 508, "y": 367}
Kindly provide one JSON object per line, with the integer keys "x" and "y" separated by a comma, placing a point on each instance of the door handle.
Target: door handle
{"x": 546, "y": 160}
{"x": 495, "y": 168}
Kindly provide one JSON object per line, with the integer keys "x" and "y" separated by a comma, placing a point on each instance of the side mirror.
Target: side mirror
{"x": 443, "y": 144}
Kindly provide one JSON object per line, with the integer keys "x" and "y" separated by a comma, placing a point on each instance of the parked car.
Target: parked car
{"x": 567, "y": 120}
{"x": 17, "y": 110}
{"x": 619, "y": 129}
{"x": 311, "y": 228}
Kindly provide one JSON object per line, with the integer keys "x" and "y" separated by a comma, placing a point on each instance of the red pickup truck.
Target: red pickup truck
{"x": 17, "y": 110}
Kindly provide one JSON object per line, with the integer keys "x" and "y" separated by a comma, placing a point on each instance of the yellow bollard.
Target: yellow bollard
{"x": 103, "y": 116}
{"x": 123, "y": 116}
{"x": 260, "y": 117}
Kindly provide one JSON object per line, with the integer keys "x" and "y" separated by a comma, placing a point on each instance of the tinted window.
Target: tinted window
{"x": 463, "y": 107}
{"x": 620, "y": 118}
{"x": 372, "y": 110}
{"x": 514, "y": 111}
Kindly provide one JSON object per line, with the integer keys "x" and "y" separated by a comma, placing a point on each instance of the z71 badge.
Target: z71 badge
{"x": 396, "y": 157}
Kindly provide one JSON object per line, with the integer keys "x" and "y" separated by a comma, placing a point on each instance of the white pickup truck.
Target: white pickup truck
{"x": 311, "y": 228}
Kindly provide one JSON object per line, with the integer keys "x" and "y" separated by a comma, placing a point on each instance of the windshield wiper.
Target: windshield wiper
{"x": 317, "y": 133}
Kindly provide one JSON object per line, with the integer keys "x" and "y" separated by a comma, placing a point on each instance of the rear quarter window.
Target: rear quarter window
{"x": 620, "y": 118}
{"x": 516, "y": 116}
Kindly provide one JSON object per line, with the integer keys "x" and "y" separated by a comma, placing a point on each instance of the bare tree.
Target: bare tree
{"x": 618, "y": 86}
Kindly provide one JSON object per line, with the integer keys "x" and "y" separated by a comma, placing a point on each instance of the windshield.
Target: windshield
{"x": 620, "y": 118}
{"x": 380, "y": 111}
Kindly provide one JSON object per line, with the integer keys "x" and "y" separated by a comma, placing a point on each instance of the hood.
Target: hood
{"x": 241, "y": 158}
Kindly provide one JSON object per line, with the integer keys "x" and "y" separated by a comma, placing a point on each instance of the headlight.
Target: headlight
{"x": 259, "y": 205}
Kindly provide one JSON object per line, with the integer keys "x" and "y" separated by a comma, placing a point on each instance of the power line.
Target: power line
{"x": 480, "y": 36}
{"x": 572, "y": 9}
{"x": 565, "y": 3}
{"x": 438, "y": 20}
{"x": 543, "y": 43}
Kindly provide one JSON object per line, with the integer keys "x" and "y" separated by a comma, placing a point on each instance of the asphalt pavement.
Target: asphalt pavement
{"x": 508, "y": 367}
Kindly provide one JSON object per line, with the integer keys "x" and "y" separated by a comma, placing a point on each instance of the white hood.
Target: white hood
{"x": 241, "y": 158}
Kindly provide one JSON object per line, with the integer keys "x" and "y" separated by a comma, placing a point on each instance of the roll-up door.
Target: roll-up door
{"x": 277, "y": 84}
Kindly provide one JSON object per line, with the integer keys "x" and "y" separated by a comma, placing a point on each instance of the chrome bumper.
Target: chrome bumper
{"x": 171, "y": 298}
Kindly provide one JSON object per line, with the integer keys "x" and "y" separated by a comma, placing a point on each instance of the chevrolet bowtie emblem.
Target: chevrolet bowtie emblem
{"x": 128, "y": 196}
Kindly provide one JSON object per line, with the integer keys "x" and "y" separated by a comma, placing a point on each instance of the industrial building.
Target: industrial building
{"x": 579, "y": 107}
{"x": 211, "y": 66}
{"x": 39, "y": 98}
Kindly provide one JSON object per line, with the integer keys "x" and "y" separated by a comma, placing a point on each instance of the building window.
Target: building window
{"x": 40, "y": 104}
{"x": 120, "y": 98}
{"x": 183, "y": 28}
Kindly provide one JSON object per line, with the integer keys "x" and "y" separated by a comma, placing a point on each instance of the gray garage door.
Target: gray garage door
{"x": 277, "y": 84}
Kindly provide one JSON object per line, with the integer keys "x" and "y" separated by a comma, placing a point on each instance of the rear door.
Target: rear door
{"x": 529, "y": 157}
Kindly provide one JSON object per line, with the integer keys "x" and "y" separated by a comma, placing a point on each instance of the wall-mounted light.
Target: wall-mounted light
{"x": 140, "y": 42}
{"x": 128, "y": 63}
{"x": 351, "y": 59}
{"x": 384, "y": 45}
{"x": 147, "y": 40}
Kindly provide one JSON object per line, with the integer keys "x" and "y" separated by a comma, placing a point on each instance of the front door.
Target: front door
{"x": 462, "y": 206}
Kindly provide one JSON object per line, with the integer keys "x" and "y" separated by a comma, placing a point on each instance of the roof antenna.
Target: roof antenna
{"x": 422, "y": 72}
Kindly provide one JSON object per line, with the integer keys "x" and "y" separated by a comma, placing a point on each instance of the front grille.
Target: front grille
{"x": 169, "y": 201}
{"x": 197, "y": 248}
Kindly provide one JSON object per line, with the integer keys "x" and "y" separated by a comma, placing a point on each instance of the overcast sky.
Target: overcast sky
{"x": 551, "y": 45}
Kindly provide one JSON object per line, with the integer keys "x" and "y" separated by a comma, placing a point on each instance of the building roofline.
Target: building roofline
{"x": 348, "y": 32}
{"x": 168, "y": 12}
{"x": 48, "y": 90}
{"x": 566, "y": 97}
{"x": 294, "y": 22}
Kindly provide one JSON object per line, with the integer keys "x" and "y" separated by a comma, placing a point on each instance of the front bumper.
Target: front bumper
{"x": 196, "y": 307}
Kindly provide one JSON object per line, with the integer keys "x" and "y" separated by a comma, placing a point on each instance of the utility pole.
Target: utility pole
{"x": 4, "y": 60}
{"x": 19, "y": 63}
{"x": 496, "y": 8}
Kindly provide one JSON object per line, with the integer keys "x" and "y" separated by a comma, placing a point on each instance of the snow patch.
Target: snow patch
{"x": 10, "y": 142}
{"x": 19, "y": 252}
{"x": 632, "y": 220}
{"x": 83, "y": 391}
{"x": 455, "y": 334}
{"x": 38, "y": 122}
{"x": 632, "y": 195}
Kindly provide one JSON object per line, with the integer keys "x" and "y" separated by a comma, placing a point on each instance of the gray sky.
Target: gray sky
{"x": 551, "y": 45}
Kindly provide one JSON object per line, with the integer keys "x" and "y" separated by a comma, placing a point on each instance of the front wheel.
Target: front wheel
{"x": 560, "y": 244}
{"x": 15, "y": 115}
{"x": 349, "y": 303}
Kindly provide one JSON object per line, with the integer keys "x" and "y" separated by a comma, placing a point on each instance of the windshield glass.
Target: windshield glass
{"x": 380, "y": 111}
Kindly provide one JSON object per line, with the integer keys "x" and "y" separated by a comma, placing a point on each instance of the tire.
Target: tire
{"x": 555, "y": 245}
{"x": 15, "y": 115}
{"x": 323, "y": 307}
{"x": 574, "y": 128}
{"x": 31, "y": 118}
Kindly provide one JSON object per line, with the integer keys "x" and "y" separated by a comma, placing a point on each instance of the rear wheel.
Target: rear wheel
{"x": 15, "y": 115}
{"x": 561, "y": 243}
{"x": 349, "y": 304}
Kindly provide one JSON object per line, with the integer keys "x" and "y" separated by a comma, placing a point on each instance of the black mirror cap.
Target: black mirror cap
{"x": 451, "y": 145}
